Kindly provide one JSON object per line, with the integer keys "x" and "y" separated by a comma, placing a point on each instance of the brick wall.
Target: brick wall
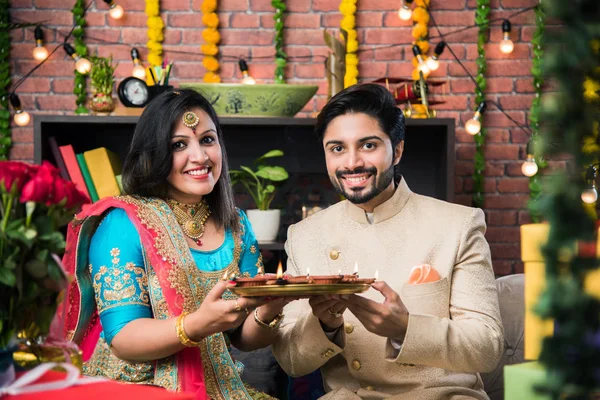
{"x": 246, "y": 30}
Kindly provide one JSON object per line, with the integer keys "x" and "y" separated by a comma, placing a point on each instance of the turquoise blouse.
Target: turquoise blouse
{"x": 119, "y": 277}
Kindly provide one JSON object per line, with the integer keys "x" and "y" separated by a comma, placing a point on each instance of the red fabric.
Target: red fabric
{"x": 100, "y": 391}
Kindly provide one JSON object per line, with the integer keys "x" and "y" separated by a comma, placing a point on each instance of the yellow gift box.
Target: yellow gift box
{"x": 533, "y": 236}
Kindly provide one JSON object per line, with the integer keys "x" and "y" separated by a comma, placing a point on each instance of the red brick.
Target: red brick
{"x": 505, "y": 250}
{"x": 516, "y": 102}
{"x": 60, "y": 18}
{"x": 372, "y": 69}
{"x": 129, "y": 19}
{"x": 518, "y": 268}
{"x": 509, "y": 68}
{"x": 519, "y": 3}
{"x": 502, "y": 267}
{"x": 34, "y": 85}
{"x": 497, "y": 136}
{"x": 375, "y": 5}
{"x": 303, "y": 37}
{"x": 172, "y": 36}
{"x": 128, "y": 5}
{"x": 458, "y": 184}
{"x": 499, "y": 85}
{"x": 191, "y": 20}
{"x": 22, "y": 134}
{"x": 391, "y": 54}
{"x": 388, "y": 36}
{"x": 174, "y": 5}
{"x": 524, "y": 85}
{"x": 454, "y": 103}
{"x": 526, "y": 18}
{"x": 325, "y": 5}
{"x": 96, "y": 19}
{"x": 494, "y": 169}
{"x": 21, "y": 151}
{"x": 134, "y": 35}
{"x": 457, "y": 70}
{"x": 454, "y": 19}
{"x": 489, "y": 185}
{"x": 302, "y": 21}
{"x": 241, "y": 20}
{"x": 499, "y": 234}
{"x": 309, "y": 71}
{"x": 448, "y": 5}
{"x": 246, "y": 36}
{"x": 53, "y": 4}
{"x": 494, "y": 217}
{"x": 524, "y": 217}
{"x": 258, "y": 5}
{"x": 501, "y": 151}
{"x": 514, "y": 185}
{"x": 297, "y": 5}
{"x": 370, "y": 19}
{"x": 506, "y": 201}
{"x": 331, "y": 21}
{"x": 21, "y": 4}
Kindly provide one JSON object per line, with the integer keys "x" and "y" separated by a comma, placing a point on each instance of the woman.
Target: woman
{"x": 150, "y": 304}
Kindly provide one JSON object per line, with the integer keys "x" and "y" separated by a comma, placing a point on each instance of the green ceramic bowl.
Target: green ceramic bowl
{"x": 239, "y": 100}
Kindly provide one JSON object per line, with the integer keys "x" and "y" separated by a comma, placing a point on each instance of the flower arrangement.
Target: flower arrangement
{"x": 280, "y": 56}
{"x": 211, "y": 37}
{"x": 35, "y": 203}
{"x": 348, "y": 10}
{"x": 155, "y": 33}
{"x": 420, "y": 32}
{"x": 79, "y": 88}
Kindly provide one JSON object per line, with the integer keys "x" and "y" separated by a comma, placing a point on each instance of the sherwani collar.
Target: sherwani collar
{"x": 383, "y": 211}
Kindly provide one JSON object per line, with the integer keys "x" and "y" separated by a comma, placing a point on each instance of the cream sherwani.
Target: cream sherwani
{"x": 454, "y": 327}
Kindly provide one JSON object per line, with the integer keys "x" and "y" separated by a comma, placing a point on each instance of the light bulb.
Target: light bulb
{"x": 22, "y": 118}
{"x": 589, "y": 195}
{"x": 405, "y": 13}
{"x": 116, "y": 11}
{"x": 139, "y": 72}
{"x": 40, "y": 53}
{"x": 432, "y": 63}
{"x": 506, "y": 45}
{"x": 529, "y": 167}
{"x": 423, "y": 67}
{"x": 83, "y": 65}
{"x": 247, "y": 79}
{"x": 473, "y": 126}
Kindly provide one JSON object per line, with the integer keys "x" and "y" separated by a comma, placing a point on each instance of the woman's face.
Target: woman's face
{"x": 197, "y": 160}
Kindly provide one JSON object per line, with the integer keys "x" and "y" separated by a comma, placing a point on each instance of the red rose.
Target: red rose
{"x": 75, "y": 197}
{"x": 15, "y": 172}
{"x": 40, "y": 188}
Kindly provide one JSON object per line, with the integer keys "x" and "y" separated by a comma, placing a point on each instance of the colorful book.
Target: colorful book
{"x": 72, "y": 165}
{"x": 60, "y": 163}
{"x": 120, "y": 182}
{"x": 104, "y": 165}
{"x": 87, "y": 177}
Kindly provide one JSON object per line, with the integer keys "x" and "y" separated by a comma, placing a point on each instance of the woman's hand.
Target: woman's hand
{"x": 218, "y": 315}
{"x": 274, "y": 307}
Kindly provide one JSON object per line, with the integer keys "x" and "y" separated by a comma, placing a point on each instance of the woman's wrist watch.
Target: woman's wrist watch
{"x": 274, "y": 324}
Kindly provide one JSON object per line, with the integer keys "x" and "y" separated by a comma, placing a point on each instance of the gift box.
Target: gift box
{"x": 520, "y": 380}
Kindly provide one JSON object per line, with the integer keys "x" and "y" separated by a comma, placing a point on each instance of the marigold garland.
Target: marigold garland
{"x": 348, "y": 10}
{"x": 420, "y": 32}
{"x": 211, "y": 37}
{"x": 155, "y": 33}
{"x": 80, "y": 84}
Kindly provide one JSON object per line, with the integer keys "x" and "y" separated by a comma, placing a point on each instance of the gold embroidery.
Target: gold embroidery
{"x": 259, "y": 263}
{"x": 253, "y": 249}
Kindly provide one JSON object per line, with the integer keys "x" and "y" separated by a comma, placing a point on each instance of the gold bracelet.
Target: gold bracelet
{"x": 271, "y": 325}
{"x": 183, "y": 337}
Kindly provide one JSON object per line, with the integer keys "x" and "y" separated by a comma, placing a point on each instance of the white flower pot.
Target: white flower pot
{"x": 265, "y": 224}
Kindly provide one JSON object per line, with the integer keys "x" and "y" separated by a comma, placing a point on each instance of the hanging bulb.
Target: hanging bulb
{"x": 433, "y": 62}
{"x": 246, "y": 79}
{"x": 115, "y": 11}
{"x": 21, "y": 117}
{"x": 422, "y": 66}
{"x": 473, "y": 126}
{"x": 40, "y": 53}
{"x": 506, "y": 45}
{"x": 82, "y": 65}
{"x": 529, "y": 167}
{"x": 405, "y": 12}
{"x": 590, "y": 194}
{"x": 138, "y": 69}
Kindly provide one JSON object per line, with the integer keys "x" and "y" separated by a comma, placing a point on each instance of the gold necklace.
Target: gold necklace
{"x": 191, "y": 218}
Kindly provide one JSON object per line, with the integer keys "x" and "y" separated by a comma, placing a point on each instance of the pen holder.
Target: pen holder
{"x": 155, "y": 90}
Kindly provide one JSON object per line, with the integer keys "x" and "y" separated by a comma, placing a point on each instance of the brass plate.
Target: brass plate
{"x": 302, "y": 289}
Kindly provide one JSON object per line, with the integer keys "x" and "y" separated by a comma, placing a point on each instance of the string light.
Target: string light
{"x": 590, "y": 194}
{"x": 82, "y": 65}
{"x": 529, "y": 167}
{"x": 433, "y": 62}
{"x": 506, "y": 45}
{"x": 405, "y": 12}
{"x": 247, "y": 79}
{"x": 138, "y": 69}
{"x": 115, "y": 11}
{"x": 473, "y": 126}
{"x": 422, "y": 66}
{"x": 21, "y": 117}
{"x": 40, "y": 53}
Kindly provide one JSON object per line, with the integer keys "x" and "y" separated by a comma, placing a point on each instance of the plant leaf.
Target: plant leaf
{"x": 273, "y": 173}
{"x": 7, "y": 277}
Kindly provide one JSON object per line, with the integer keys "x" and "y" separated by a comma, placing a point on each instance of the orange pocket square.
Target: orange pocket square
{"x": 423, "y": 273}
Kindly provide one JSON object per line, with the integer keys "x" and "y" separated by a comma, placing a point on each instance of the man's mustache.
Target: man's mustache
{"x": 361, "y": 170}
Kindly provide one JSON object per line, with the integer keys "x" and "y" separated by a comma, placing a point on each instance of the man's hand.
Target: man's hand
{"x": 388, "y": 319}
{"x": 329, "y": 311}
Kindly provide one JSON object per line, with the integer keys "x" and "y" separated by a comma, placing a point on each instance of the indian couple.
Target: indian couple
{"x": 148, "y": 303}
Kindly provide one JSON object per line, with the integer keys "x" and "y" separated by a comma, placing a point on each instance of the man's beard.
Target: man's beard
{"x": 363, "y": 195}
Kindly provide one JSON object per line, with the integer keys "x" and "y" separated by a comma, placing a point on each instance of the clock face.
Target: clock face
{"x": 136, "y": 92}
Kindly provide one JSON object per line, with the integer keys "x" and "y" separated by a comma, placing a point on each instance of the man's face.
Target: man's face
{"x": 359, "y": 156}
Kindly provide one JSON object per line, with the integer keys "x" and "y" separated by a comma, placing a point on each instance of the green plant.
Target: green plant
{"x": 260, "y": 183}
{"x": 102, "y": 74}
{"x": 80, "y": 85}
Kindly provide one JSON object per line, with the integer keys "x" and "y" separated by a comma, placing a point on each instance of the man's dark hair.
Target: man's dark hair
{"x": 150, "y": 156}
{"x": 371, "y": 99}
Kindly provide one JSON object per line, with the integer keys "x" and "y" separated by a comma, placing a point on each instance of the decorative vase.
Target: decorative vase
{"x": 7, "y": 369}
{"x": 265, "y": 224}
{"x": 103, "y": 103}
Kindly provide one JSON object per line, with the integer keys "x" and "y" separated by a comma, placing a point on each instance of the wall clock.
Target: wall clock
{"x": 133, "y": 92}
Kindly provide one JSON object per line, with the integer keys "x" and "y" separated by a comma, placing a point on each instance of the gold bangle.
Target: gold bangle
{"x": 183, "y": 337}
{"x": 271, "y": 325}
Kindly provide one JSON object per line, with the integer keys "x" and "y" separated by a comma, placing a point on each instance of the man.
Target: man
{"x": 397, "y": 340}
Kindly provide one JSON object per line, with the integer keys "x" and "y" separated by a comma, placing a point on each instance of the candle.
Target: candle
{"x": 260, "y": 271}
{"x": 377, "y": 275}
{"x": 356, "y": 268}
{"x": 339, "y": 271}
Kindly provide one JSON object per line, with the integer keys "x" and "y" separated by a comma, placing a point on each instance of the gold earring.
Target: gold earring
{"x": 191, "y": 120}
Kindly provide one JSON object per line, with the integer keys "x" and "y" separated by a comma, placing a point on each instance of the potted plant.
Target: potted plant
{"x": 260, "y": 184}
{"x": 102, "y": 75}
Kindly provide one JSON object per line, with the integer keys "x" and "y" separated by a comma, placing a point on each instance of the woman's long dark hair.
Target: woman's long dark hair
{"x": 150, "y": 156}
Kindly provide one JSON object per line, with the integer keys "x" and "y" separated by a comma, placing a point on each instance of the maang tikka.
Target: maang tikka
{"x": 191, "y": 120}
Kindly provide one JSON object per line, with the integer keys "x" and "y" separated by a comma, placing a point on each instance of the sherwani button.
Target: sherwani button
{"x": 356, "y": 365}
{"x": 348, "y": 327}
{"x": 334, "y": 254}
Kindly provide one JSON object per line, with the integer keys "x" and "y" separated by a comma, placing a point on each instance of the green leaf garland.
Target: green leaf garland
{"x": 280, "y": 56}
{"x": 571, "y": 356}
{"x": 535, "y": 185}
{"x": 80, "y": 87}
{"x": 5, "y": 136}
{"x": 481, "y": 19}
